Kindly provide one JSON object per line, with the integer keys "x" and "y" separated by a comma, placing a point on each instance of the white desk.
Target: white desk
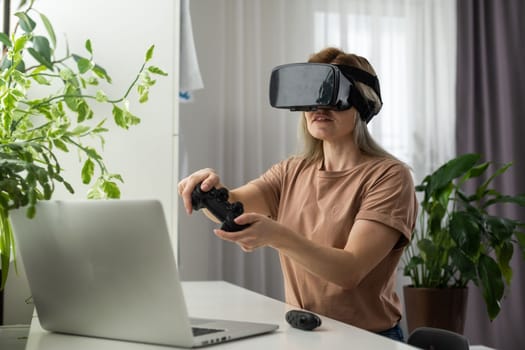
{"x": 224, "y": 300}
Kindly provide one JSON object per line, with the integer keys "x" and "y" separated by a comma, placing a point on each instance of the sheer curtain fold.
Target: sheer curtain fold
{"x": 411, "y": 43}
{"x": 231, "y": 127}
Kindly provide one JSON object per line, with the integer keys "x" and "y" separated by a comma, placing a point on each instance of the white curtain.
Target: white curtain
{"x": 411, "y": 44}
{"x": 231, "y": 127}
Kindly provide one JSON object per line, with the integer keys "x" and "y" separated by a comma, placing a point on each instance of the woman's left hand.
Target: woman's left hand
{"x": 262, "y": 232}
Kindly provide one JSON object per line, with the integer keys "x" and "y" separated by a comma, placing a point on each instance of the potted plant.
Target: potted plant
{"x": 458, "y": 241}
{"x": 37, "y": 128}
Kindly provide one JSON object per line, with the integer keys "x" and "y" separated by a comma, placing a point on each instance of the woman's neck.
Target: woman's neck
{"x": 339, "y": 157}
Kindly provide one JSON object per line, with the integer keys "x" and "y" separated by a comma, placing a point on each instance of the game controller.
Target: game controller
{"x": 304, "y": 320}
{"x": 216, "y": 201}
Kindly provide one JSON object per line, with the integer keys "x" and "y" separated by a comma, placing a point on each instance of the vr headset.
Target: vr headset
{"x": 310, "y": 86}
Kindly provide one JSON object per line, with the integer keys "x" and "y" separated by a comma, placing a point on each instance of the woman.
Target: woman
{"x": 339, "y": 214}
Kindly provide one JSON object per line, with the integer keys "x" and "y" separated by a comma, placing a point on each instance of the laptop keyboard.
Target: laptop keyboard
{"x": 201, "y": 331}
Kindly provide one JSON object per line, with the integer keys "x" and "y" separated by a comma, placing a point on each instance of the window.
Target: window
{"x": 411, "y": 45}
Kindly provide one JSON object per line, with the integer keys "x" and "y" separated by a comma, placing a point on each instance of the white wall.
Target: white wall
{"x": 146, "y": 155}
{"x": 200, "y": 137}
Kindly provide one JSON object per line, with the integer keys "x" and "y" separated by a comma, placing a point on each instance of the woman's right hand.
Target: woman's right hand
{"x": 209, "y": 180}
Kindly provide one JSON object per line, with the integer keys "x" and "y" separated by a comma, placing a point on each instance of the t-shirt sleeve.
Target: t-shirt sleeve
{"x": 391, "y": 200}
{"x": 270, "y": 185}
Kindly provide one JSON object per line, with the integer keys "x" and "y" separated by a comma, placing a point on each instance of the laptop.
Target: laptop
{"x": 106, "y": 268}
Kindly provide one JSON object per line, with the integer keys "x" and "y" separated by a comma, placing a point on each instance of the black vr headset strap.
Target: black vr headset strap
{"x": 364, "y": 106}
{"x": 362, "y": 77}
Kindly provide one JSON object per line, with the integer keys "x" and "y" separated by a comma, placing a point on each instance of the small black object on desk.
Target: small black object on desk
{"x": 304, "y": 320}
{"x": 216, "y": 201}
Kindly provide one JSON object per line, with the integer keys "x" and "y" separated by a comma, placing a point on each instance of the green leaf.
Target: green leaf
{"x": 451, "y": 170}
{"x": 99, "y": 127}
{"x": 520, "y": 200}
{"x": 20, "y": 66}
{"x": 41, "y": 45}
{"x": 421, "y": 187}
{"x": 427, "y": 249}
{"x": 9, "y": 101}
{"x": 20, "y": 43}
{"x": 83, "y": 83}
{"x": 84, "y": 112}
{"x": 4, "y": 39}
{"x": 68, "y": 186}
{"x": 156, "y": 70}
{"x": 111, "y": 189}
{"x": 124, "y": 118}
{"x": 92, "y": 153}
{"x": 31, "y": 211}
{"x": 84, "y": 65}
{"x": 49, "y": 29}
{"x": 149, "y": 53}
{"x": 144, "y": 97}
{"x": 101, "y": 73}
{"x": 131, "y": 119}
{"x": 465, "y": 231}
{"x": 95, "y": 193}
{"x": 92, "y": 81}
{"x": 40, "y": 79}
{"x": 87, "y": 171}
{"x": 26, "y": 23}
{"x": 117, "y": 177}
{"x": 78, "y": 130}
{"x": 6, "y": 64}
{"x": 492, "y": 286}
{"x": 412, "y": 267}
{"x": 71, "y": 99}
{"x": 60, "y": 145}
{"x": 497, "y": 173}
{"x": 41, "y": 59}
{"x": 22, "y": 3}
{"x": 465, "y": 265}
{"x": 77, "y": 57}
{"x": 500, "y": 228}
{"x": 477, "y": 171}
{"x": 88, "y": 46}
{"x": 504, "y": 254}
{"x": 436, "y": 214}
{"x": 520, "y": 236}
{"x": 118, "y": 116}
{"x": 67, "y": 74}
{"x": 100, "y": 96}
{"x": 443, "y": 196}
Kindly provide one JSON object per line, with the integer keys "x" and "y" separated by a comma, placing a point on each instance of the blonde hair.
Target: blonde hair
{"x": 312, "y": 147}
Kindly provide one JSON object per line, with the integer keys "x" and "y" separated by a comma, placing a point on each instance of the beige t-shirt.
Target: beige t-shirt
{"x": 323, "y": 206}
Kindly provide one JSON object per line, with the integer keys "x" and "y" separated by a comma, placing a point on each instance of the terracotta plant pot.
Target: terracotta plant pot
{"x": 436, "y": 307}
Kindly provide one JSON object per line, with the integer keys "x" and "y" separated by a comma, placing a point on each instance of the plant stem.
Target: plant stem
{"x": 131, "y": 86}
{"x": 84, "y": 149}
{"x": 7, "y": 244}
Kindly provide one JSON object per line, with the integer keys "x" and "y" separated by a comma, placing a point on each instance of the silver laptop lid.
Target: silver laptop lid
{"x": 85, "y": 265}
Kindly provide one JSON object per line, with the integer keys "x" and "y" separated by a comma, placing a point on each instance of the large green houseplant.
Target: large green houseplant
{"x": 458, "y": 240}
{"x": 37, "y": 128}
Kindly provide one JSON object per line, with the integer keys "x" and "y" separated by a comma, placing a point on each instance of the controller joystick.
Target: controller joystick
{"x": 216, "y": 201}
